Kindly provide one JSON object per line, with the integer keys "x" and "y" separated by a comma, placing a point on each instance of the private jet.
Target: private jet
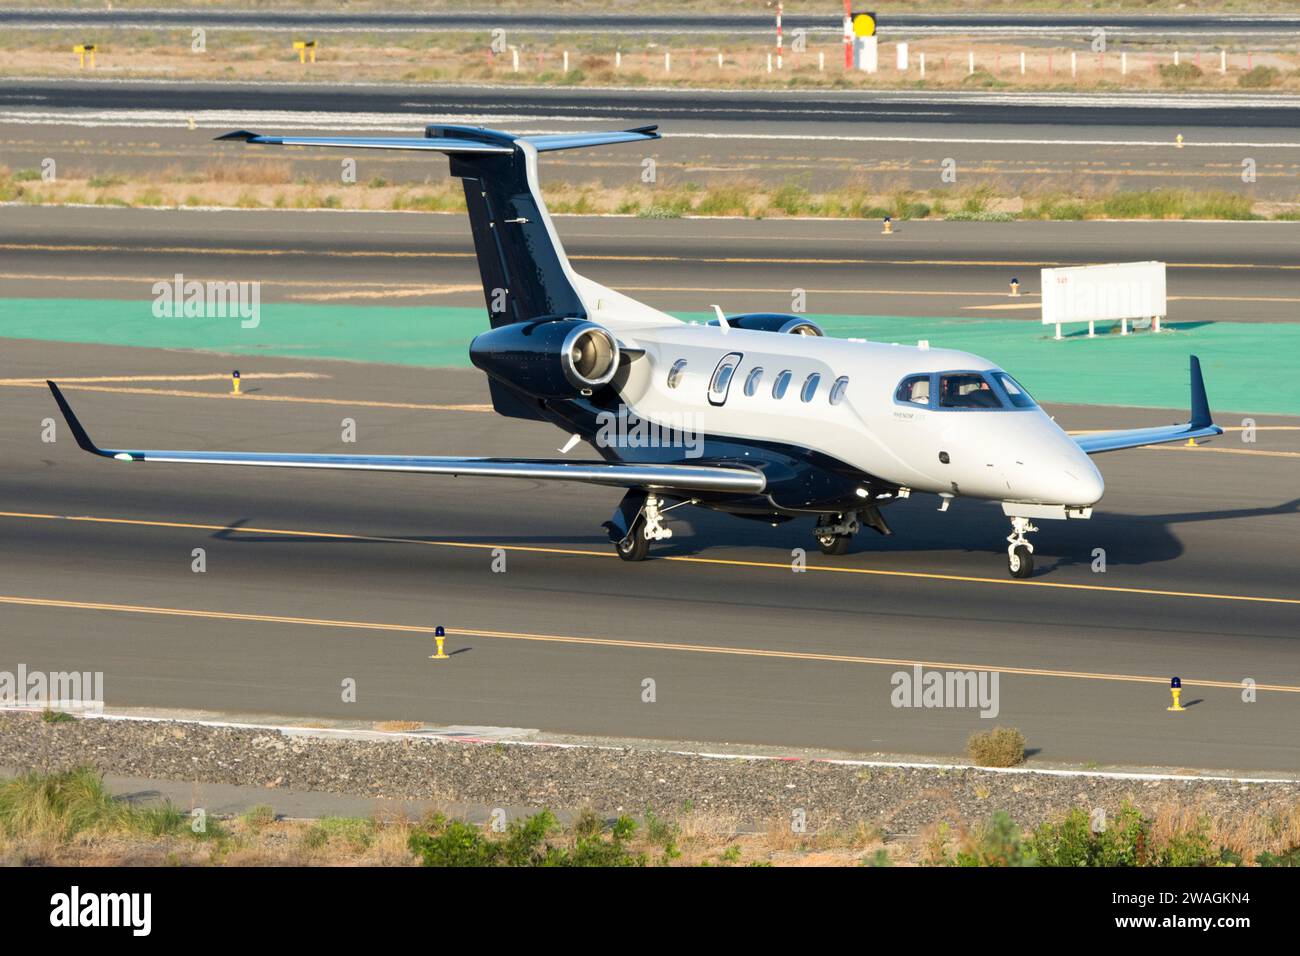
{"x": 758, "y": 415}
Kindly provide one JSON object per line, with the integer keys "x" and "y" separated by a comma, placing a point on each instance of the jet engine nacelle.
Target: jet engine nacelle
{"x": 772, "y": 322}
{"x": 550, "y": 358}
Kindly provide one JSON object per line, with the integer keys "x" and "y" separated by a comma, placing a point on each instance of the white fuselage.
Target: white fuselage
{"x": 1012, "y": 455}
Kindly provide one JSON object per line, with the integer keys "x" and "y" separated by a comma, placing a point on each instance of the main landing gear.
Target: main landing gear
{"x": 835, "y": 531}
{"x": 1020, "y": 553}
{"x": 648, "y": 526}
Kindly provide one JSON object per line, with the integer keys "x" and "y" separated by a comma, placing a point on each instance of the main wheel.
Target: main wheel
{"x": 835, "y": 544}
{"x": 636, "y": 545}
{"x": 1020, "y": 562}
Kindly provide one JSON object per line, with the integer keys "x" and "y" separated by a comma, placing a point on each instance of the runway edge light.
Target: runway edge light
{"x": 234, "y": 382}
{"x": 1176, "y": 688}
{"x": 439, "y": 636}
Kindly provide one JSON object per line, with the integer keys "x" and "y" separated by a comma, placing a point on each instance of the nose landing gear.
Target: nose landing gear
{"x": 1020, "y": 553}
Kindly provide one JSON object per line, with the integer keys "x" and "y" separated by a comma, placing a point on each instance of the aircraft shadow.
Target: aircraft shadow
{"x": 970, "y": 527}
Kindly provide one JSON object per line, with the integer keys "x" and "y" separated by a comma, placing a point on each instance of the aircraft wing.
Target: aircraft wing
{"x": 666, "y": 477}
{"x": 1201, "y": 425}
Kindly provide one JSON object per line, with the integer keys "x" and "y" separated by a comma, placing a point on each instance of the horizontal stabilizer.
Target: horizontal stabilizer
{"x": 553, "y": 141}
{"x": 444, "y": 144}
{"x": 453, "y": 140}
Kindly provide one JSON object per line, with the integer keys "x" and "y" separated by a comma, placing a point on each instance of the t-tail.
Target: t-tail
{"x": 526, "y": 275}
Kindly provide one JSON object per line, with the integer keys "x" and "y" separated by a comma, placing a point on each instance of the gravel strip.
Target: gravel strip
{"x": 744, "y": 794}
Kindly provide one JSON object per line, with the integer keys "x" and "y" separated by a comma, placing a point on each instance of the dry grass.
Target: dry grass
{"x": 268, "y": 186}
{"x": 252, "y": 173}
{"x": 400, "y": 726}
{"x": 697, "y": 839}
{"x": 461, "y": 57}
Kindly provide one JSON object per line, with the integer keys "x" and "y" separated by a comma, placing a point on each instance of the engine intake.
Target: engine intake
{"x": 555, "y": 358}
{"x": 772, "y": 322}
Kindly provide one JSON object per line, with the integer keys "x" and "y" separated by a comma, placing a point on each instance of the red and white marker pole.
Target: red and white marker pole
{"x": 780, "y": 7}
{"x": 848, "y": 35}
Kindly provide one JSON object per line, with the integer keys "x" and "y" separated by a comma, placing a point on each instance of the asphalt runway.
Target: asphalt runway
{"x": 875, "y": 142}
{"x": 892, "y": 24}
{"x": 834, "y": 108}
{"x": 1219, "y": 271}
{"x": 312, "y": 579}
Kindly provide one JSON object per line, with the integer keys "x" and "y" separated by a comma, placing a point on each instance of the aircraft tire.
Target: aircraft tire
{"x": 1020, "y": 562}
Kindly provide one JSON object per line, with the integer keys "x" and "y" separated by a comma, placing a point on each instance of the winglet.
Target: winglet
{"x": 1201, "y": 417}
{"x": 242, "y": 135}
{"x": 79, "y": 433}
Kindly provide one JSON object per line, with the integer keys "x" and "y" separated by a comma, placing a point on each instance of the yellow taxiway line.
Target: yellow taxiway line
{"x": 592, "y": 257}
{"x": 685, "y": 559}
{"x": 75, "y": 384}
{"x": 457, "y": 631}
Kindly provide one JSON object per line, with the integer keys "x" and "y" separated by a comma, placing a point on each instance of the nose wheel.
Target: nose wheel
{"x": 1020, "y": 552}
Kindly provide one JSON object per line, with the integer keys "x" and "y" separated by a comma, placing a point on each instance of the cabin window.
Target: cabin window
{"x": 810, "y": 387}
{"x": 838, "y": 389}
{"x": 753, "y": 380}
{"x": 675, "y": 373}
{"x": 914, "y": 390}
{"x": 781, "y": 384}
{"x": 722, "y": 376}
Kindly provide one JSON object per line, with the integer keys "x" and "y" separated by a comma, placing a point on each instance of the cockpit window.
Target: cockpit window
{"x": 966, "y": 390}
{"x": 915, "y": 389}
{"x": 1016, "y": 393}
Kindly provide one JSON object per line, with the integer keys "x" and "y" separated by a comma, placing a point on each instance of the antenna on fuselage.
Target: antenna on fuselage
{"x": 722, "y": 319}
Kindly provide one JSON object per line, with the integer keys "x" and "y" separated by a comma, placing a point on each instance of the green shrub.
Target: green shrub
{"x": 1174, "y": 73}
{"x": 527, "y": 842}
{"x": 259, "y": 817}
{"x": 1177, "y": 204}
{"x": 1259, "y": 78}
{"x": 997, "y": 844}
{"x": 790, "y": 199}
{"x": 999, "y": 747}
{"x": 1126, "y": 841}
{"x": 725, "y": 201}
{"x": 1290, "y": 858}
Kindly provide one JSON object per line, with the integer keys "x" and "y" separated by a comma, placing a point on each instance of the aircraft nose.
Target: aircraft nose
{"x": 1083, "y": 481}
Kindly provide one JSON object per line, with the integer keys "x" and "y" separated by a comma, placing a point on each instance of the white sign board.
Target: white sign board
{"x": 866, "y": 54}
{"x": 1121, "y": 291}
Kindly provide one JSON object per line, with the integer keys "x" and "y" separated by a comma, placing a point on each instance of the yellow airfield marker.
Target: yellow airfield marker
{"x": 1176, "y": 688}
{"x": 304, "y": 47}
{"x": 84, "y": 50}
{"x": 887, "y": 228}
{"x": 234, "y": 382}
{"x": 439, "y": 636}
